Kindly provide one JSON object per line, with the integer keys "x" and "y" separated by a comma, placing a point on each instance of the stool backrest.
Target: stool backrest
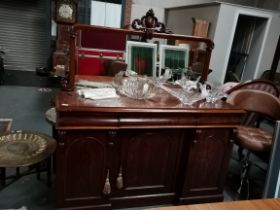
{"x": 257, "y": 84}
{"x": 256, "y": 101}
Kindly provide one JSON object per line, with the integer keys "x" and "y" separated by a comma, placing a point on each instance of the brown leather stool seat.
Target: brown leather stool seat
{"x": 254, "y": 139}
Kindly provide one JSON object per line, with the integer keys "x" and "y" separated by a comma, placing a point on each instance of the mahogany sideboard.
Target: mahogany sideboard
{"x": 122, "y": 152}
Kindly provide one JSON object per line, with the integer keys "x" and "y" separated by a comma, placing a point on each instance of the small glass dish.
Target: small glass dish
{"x": 134, "y": 86}
{"x": 186, "y": 97}
{"x": 215, "y": 94}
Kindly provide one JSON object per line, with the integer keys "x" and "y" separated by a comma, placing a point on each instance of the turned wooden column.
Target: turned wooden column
{"x": 65, "y": 17}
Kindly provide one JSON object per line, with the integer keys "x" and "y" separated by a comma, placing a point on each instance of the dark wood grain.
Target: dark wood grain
{"x": 167, "y": 152}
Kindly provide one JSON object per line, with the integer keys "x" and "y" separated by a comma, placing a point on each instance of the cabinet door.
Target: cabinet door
{"x": 149, "y": 163}
{"x": 206, "y": 165}
{"x": 81, "y": 168}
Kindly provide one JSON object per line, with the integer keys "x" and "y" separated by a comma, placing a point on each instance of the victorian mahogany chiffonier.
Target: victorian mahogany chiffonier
{"x": 123, "y": 152}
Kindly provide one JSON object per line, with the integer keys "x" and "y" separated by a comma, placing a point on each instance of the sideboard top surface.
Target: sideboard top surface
{"x": 162, "y": 102}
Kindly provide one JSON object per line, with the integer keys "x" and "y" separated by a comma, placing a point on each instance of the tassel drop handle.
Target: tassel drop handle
{"x": 119, "y": 180}
{"x": 107, "y": 185}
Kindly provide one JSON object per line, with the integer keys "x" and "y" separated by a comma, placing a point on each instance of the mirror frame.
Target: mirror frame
{"x": 68, "y": 82}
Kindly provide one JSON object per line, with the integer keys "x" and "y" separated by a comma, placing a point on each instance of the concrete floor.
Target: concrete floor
{"x": 25, "y": 97}
{"x": 28, "y": 192}
{"x": 27, "y": 105}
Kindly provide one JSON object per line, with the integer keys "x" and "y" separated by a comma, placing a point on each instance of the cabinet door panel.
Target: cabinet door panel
{"x": 150, "y": 161}
{"x": 81, "y": 168}
{"x": 208, "y": 156}
{"x": 86, "y": 168}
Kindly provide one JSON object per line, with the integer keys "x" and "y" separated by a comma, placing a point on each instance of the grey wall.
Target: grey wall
{"x": 269, "y": 4}
{"x": 175, "y": 3}
{"x": 140, "y": 7}
{"x": 179, "y": 20}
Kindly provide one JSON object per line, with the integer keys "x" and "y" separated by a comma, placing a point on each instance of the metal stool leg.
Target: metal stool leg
{"x": 38, "y": 170}
{"x": 48, "y": 166}
{"x": 3, "y": 176}
{"x": 17, "y": 172}
{"x": 240, "y": 153}
{"x": 244, "y": 180}
{"x": 49, "y": 171}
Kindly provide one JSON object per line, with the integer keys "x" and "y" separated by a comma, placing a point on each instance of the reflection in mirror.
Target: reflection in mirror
{"x": 97, "y": 50}
{"x": 104, "y": 51}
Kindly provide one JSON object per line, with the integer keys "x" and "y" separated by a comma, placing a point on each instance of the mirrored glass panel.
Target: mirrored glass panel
{"x": 105, "y": 51}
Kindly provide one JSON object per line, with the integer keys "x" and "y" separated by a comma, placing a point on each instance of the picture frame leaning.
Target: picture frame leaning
{"x": 141, "y": 57}
{"x": 174, "y": 57}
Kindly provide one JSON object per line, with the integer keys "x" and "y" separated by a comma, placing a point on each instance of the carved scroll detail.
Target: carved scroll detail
{"x": 149, "y": 23}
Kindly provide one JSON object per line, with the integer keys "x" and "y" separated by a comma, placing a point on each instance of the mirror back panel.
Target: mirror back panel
{"x": 104, "y": 51}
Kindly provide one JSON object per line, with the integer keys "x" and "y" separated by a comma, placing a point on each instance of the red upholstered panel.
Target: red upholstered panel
{"x": 108, "y": 54}
{"x": 103, "y": 40}
{"x": 91, "y": 63}
{"x": 90, "y": 66}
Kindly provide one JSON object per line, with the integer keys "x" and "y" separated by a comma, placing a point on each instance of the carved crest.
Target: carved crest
{"x": 149, "y": 23}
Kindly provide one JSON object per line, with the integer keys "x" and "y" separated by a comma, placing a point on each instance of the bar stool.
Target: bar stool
{"x": 5, "y": 126}
{"x": 50, "y": 115}
{"x": 26, "y": 148}
{"x": 254, "y": 139}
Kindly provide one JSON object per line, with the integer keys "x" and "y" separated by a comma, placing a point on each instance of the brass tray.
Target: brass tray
{"x": 24, "y": 148}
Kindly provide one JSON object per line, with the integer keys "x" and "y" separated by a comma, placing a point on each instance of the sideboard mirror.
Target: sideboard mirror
{"x": 97, "y": 50}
